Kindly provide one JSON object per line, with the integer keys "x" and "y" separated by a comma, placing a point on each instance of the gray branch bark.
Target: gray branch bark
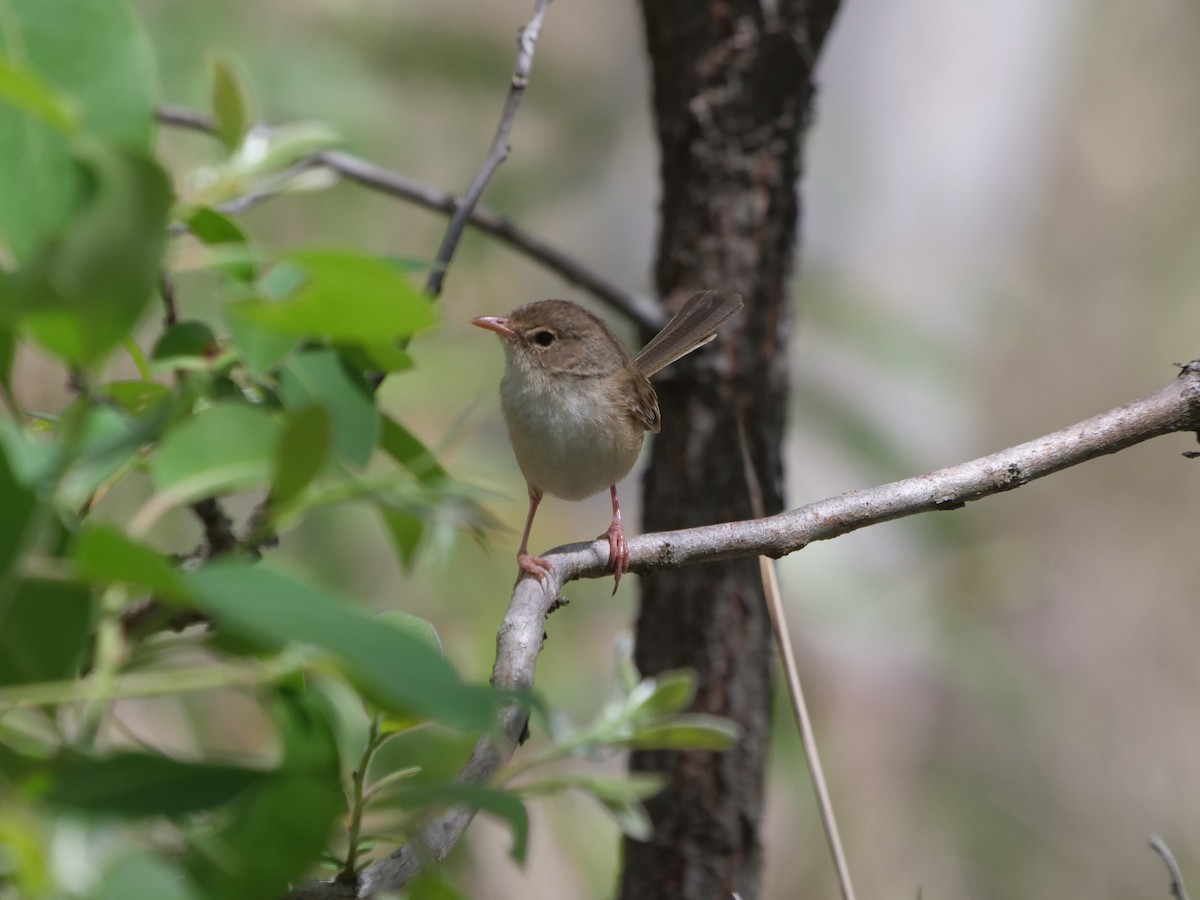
{"x": 1173, "y": 408}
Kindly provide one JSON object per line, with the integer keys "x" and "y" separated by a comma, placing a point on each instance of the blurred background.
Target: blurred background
{"x": 1001, "y": 237}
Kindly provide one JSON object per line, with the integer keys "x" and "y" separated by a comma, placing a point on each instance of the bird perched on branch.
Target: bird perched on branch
{"x": 578, "y": 405}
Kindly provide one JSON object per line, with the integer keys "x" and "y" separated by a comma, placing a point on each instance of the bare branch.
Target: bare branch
{"x": 1173, "y": 408}
{"x": 639, "y": 309}
{"x": 497, "y": 153}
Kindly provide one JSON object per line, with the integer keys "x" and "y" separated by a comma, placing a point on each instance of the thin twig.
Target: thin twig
{"x": 787, "y": 657}
{"x": 170, "y": 309}
{"x": 639, "y": 309}
{"x": 1173, "y": 408}
{"x": 1159, "y": 846}
{"x": 497, "y": 153}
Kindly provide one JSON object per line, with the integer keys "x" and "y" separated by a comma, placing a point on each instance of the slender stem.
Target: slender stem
{"x": 358, "y": 801}
{"x": 497, "y": 153}
{"x": 138, "y": 357}
{"x": 146, "y": 684}
{"x": 795, "y": 689}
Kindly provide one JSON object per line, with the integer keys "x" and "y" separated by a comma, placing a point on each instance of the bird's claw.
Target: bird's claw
{"x": 618, "y": 551}
{"x": 536, "y": 566}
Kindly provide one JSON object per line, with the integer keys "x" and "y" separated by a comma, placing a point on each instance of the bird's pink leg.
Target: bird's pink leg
{"x": 534, "y": 565}
{"x": 618, "y": 547}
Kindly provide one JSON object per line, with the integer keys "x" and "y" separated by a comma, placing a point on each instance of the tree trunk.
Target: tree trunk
{"x": 732, "y": 97}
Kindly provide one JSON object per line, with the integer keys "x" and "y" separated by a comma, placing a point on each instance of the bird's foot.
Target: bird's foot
{"x": 536, "y": 566}
{"x": 618, "y": 551}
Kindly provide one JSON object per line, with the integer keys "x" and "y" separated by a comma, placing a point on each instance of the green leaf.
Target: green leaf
{"x": 384, "y": 358}
{"x": 94, "y": 53}
{"x": 104, "y": 555}
{"x": 85, "y": 289}
{"x": 8, "y": 352}
{"x": 184, "y": 339}
{"x": 303, "y": 448}
{"x": 270, "y": 608}
{"x": 138, "y": 397}
{"x": 228, "y": 447}
{"x": 631, "y": 817}
{"x": 137, "y": 785}
{"x": 107, "y": 440}
{"x": 696, "y": 731}
{"x": 230, "y": 109}
{"x": 413, "y": 626}
{"x": 44, "y": 626}
{"x": 18, "y": 502}
{"x": 216, "y": 229}
{"x": 404, "y": 447}
{"x": 34, "y": 461}
{"x": 438, "y": 753}
{"x": 340, "y": 296}
{"x": 669, "y": 692}
{"x": 284, "y": 145}
{"x": 143, "y": 877}
{"x": 622, "y": 789}
{"x": 23, "y": 89}
{"x": 405, "y": 529}
{"x": 431, "y": 886}
{"x": 278, "y": 829}
{"x": 318, "y": 376}
{"x": 278, "y": 834}
{"x": 499, "y": 803}
{"x": 259, "y": 348}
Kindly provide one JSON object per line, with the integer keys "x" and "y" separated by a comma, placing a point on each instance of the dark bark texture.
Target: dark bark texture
{"x": 733, "y": 91}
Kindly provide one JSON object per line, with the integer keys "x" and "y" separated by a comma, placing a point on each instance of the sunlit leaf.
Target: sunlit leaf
{"x": 341, "y": 296}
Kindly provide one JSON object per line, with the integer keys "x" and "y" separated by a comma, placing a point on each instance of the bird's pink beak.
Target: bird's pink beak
{"x": 498, "y": 324}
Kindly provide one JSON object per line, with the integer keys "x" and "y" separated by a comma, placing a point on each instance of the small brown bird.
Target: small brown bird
{"x": 578, "y": 404}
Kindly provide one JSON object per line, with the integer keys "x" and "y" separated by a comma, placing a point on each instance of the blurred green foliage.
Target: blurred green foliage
{"x": 266, "y": 393}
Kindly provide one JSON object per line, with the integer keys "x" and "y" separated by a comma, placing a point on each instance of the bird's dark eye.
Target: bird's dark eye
{"x": 544, "y": 338}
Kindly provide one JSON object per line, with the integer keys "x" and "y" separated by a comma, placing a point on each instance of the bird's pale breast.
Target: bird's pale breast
{"x": 562, "y": 435}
